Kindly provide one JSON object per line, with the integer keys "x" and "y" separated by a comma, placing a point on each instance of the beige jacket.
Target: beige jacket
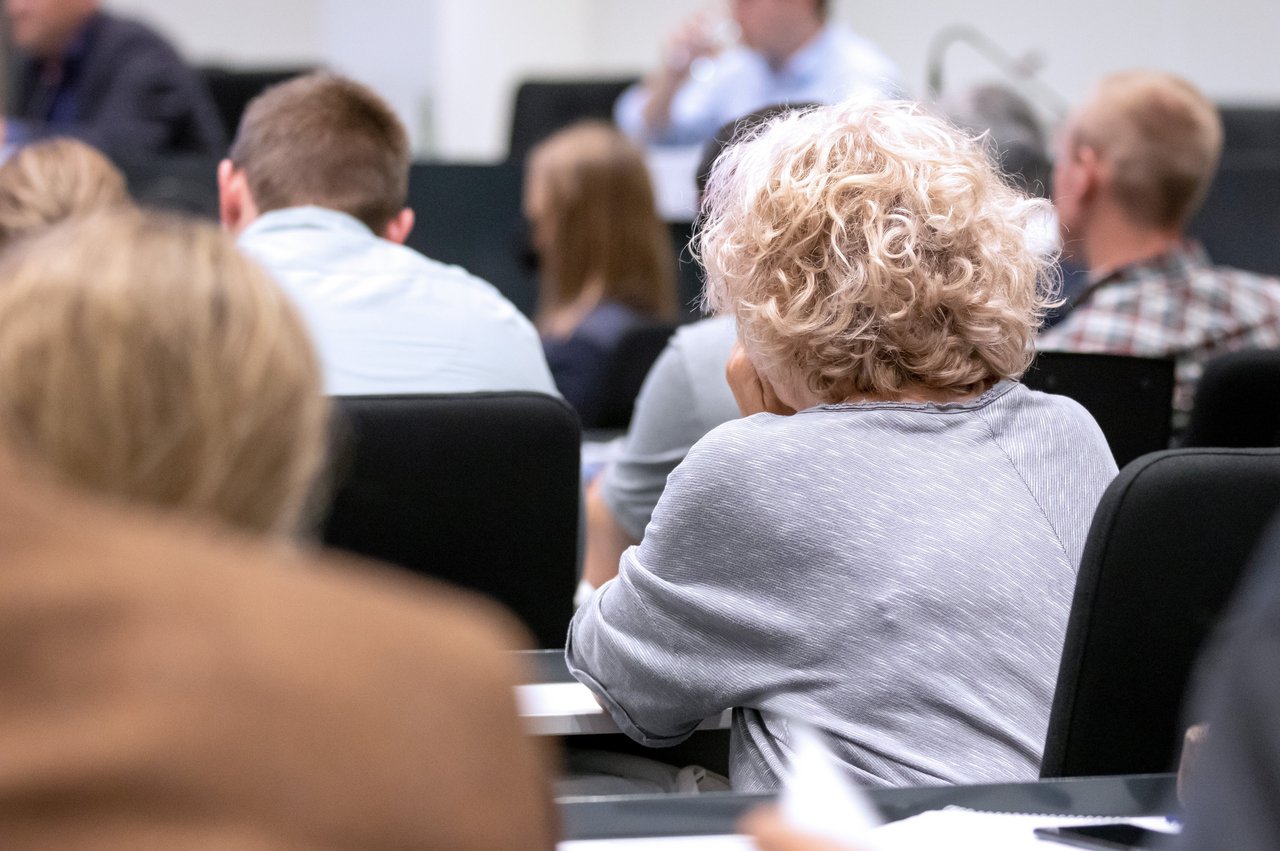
{"x": 166, "y": 687}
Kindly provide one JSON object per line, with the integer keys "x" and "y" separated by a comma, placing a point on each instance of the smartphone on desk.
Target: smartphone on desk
{"x": 1105, "y": 837}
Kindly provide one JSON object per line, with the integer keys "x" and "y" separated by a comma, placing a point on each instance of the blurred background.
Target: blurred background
{"x": 451, "y": 67}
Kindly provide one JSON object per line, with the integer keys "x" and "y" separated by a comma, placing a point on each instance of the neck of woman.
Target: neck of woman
{"x": 920, "y": 394}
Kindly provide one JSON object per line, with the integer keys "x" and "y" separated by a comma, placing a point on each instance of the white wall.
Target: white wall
{"x": 247, "y": 32}
{"x": 451, "y": 66}
{"x": 404, "y": 67}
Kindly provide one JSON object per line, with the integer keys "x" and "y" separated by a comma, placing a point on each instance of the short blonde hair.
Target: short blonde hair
{"x": 867, "y": 247}
{"x": 143, "y": 356}
{"x": 46, "y": 182}
{"x": 1162, "y": 138}
{"x": 600, "y": 205}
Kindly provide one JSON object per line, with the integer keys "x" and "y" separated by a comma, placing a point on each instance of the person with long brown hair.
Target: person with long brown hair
{"x": 606, "y": 260}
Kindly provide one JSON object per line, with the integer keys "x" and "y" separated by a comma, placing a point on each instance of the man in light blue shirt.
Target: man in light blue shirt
{"x": 787, "y": 52}
{"x": 314, "y": 189}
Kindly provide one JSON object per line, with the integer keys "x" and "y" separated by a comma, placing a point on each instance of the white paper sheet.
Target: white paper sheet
{"x": 952, "y": 829}
{"x": 570, "y": 709}
{"x": 817, "y": 797}
{"x": 956, "y": 829}
{"x": 666, "y": 843}
{"x": 540, "y": 700}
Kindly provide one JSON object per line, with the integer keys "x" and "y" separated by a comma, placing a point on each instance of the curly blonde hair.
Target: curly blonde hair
{"x": 867, "y": 247}
{"x": 142, "y": 356}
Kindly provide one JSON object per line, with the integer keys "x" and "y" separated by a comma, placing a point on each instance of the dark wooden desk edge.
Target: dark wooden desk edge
{"x": 675, "y": 815}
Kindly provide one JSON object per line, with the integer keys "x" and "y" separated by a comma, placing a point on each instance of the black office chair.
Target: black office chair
{"x": 185, "y": 183}
{"x": 1237, "y": 401}
{"x": 469, "y": 214}
{"x": 1250, "y": 132}
{"x": 1131, "y": 398}
{"x": 233, "y": 88}
{"x": 1239, "y": 221}
{"x": 625, "y": 372}
{"x": 544, "y": 106}
{"x": 1170, "y": 539}
{"x": 476, "y": 489}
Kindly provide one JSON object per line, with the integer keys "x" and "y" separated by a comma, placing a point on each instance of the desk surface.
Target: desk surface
{"x": 706, "y": 815}
{"x": 545, "y": 666}
{"x": 553, "y": 703}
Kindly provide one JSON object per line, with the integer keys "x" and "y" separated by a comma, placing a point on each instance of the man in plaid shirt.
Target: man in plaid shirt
{"x": 1134, "y": 165}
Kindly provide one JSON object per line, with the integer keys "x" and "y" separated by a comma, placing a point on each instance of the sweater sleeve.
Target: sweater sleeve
{"x": 679, "y": 636}
{"x": 664, "y": 427}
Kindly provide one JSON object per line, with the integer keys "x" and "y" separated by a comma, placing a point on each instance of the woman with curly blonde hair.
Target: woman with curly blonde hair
{"x": 885, "y": 547}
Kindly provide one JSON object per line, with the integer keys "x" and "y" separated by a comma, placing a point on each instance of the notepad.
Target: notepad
{"x": 959, "y": 829}
{"x": 952, "y": 829}
{"x": 663, "y": 843}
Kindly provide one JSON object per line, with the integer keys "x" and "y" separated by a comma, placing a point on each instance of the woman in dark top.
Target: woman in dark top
{"x": 606, "y": 260}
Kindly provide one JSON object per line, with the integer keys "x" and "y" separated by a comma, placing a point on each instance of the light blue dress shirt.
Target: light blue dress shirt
{"x": 386, "y": 319}
{"x": 836, "y": 64}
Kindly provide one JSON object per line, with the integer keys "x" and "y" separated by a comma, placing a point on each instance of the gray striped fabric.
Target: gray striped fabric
{"x": 896, "y": 575}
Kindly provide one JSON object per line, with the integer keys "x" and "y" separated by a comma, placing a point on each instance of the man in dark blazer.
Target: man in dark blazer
{"x": 111, "y": 82}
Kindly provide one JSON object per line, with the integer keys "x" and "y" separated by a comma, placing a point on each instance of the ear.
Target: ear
{"x": 399, "y": 228}
{"x": 1092, "y": 174}
{"x": 236, "y": 207}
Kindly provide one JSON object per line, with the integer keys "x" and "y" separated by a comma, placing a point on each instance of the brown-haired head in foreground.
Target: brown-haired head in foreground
{"x": 867, "y": 248}
{"x": 1161, "y": 139}
{"x": 142, "y": 356}
{"x": 46, "y": 182}
{"x": 326, "y": 141}
{"x": 595, "y": 221}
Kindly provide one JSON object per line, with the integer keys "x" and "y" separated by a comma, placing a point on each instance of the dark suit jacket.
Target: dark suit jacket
{"x": 134, "y": 96}
{"x": 163, "y": 686}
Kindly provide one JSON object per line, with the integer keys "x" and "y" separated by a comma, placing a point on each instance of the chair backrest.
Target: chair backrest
{"x": 1239, "y": 221}
{"x": 186, "y": 183}
{"x": 1251, "y": 132}
{"x": 1237, "y": 401}
{"x": 1131, "y": 398}
{"x": 477, "y": 489}
{"x": 469, "y": 215}
{"x": 544, "y": 106}
{"x": 625, "y": 372}
{"x": 233, "y": 88}
{"x": 1169, "y": 542}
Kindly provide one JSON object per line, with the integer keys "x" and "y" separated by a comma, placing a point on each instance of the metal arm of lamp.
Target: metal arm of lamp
{"x": 1021, "y": 72}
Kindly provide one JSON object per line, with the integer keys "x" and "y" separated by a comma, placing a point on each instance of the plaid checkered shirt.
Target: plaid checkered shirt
{"x": 1174, "y": 305}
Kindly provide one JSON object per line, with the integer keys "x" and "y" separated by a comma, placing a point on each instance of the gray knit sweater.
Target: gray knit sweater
{"x": 896, "y": 575}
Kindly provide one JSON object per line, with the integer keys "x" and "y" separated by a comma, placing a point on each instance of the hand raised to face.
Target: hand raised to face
{"x": 752, "y": 391}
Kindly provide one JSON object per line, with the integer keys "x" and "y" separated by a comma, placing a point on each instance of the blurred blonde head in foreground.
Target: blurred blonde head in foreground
{"x": 142, "y": 356}
{"x": 48, "y": 182}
